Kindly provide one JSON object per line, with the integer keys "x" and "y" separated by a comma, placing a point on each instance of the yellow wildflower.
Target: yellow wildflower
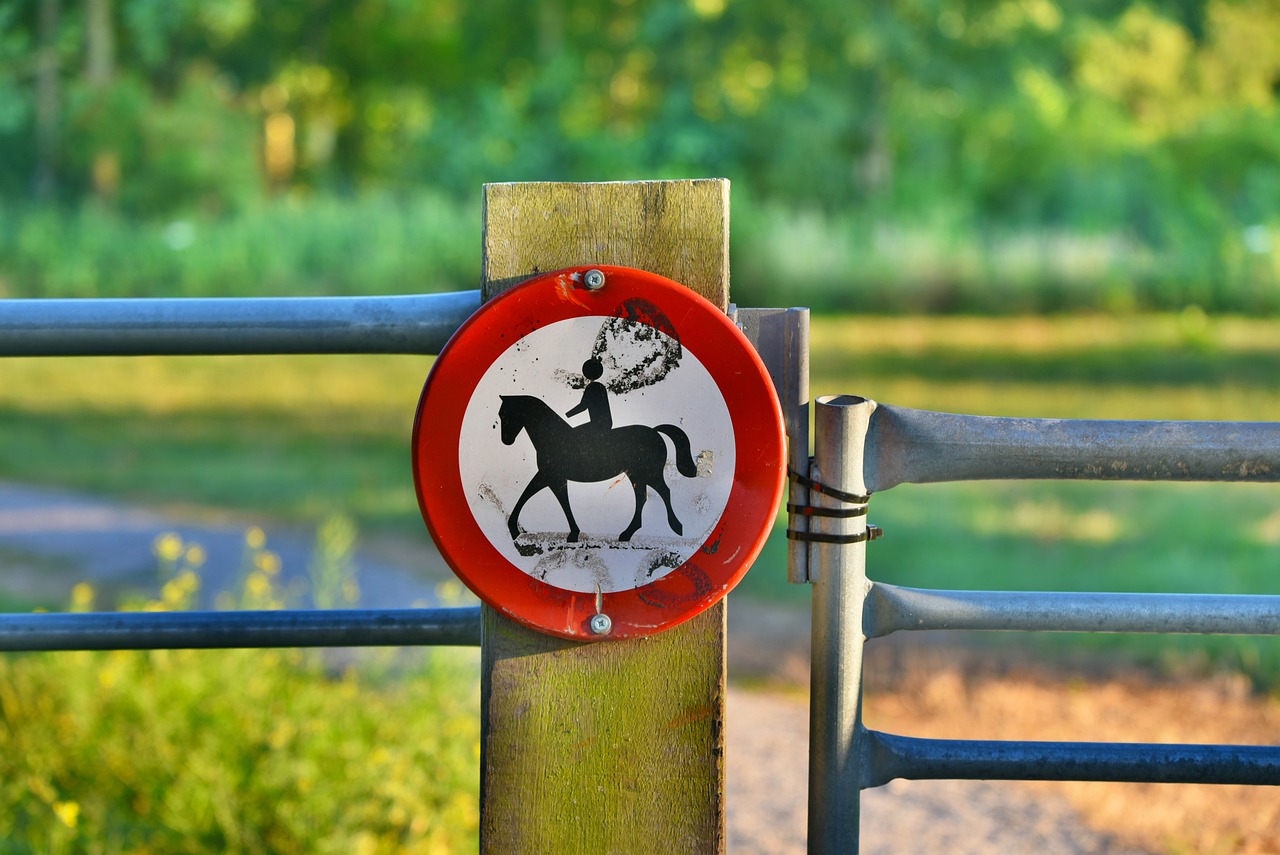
{"x": 68, "y": 812}
{"x": 255, "y": 538}
{"x": 82, "y": 597}
{"x": 168, "y": 547}
{"x": 258, "y": 585}
{"x": 267, "y": 562}
{"x": 195, "y": 555}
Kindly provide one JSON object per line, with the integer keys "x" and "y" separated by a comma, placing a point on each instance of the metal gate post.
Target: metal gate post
{"x": 613, "y": 746}
{"x": 838, "y": 573}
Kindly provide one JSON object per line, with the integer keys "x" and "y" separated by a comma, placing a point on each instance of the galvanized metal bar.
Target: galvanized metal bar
{"x": 216, "y": 326}
{"x": 836, "y": 746}
{"x": 795, "y": 409}
{"x": 918, "y": 446}
{"x": 914, "y": 758}
{"x": 890, "y": 608}
{"x": 781, "y": 337}
{"x": 222, "y": 630}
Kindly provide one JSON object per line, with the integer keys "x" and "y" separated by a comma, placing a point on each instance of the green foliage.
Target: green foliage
{"x": 194, "y": 152}
{"x": 1151, "y": 128}
{"x": 365, "y": 245}
{"x": 332, "y": 570}
{"x": 235, "y": 751}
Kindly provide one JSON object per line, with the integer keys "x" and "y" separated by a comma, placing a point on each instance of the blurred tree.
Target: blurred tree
{"x": 1157, "y": 118}
{"x": 48, "y": 112}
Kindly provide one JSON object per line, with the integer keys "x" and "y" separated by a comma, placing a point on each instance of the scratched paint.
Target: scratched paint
{"x": 651, "y": 379}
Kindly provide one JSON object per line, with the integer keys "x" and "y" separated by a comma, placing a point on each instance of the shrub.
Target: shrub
{"x": 182, "y": 751}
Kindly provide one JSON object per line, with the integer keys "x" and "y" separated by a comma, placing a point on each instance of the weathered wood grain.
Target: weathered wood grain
{"x": 615, "y": 746}
{"x": 679, "y": 229}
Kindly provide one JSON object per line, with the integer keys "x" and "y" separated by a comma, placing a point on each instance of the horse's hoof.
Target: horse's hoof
{"x": 573, "y": 537}
{"x": 626, "y": 535}
{"x": 677, "y": 528}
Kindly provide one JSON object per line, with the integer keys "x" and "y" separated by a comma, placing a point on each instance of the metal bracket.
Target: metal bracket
{"x": 781, "y": 337}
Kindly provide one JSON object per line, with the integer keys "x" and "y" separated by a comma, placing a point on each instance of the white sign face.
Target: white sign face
{"x": 597, "y": 454}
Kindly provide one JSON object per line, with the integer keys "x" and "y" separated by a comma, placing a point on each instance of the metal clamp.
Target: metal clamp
{"x": 873, "y": 532}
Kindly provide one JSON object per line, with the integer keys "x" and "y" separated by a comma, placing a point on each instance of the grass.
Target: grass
{"x": 295, "y": 438}
{"x": 299, "y": 438}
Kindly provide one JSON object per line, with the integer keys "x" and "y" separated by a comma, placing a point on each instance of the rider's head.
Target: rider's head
{"x": 592, "y": 369}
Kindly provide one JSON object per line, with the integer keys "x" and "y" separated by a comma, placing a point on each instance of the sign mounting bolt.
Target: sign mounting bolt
{"x": 594, "y": 280}
{"x": 600, "y": 622}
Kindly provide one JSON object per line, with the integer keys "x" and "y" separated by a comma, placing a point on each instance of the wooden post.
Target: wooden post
{"x": 614, "y": 746}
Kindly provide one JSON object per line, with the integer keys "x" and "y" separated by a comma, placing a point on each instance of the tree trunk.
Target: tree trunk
{"x": 100, "y": 44}
{"x": 48, "y": 101}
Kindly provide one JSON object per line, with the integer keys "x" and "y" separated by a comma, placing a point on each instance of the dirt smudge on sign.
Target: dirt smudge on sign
{"x": 638, "y": 347}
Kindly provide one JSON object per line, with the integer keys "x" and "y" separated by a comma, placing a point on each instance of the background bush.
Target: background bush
{"x": 912, "y": 155}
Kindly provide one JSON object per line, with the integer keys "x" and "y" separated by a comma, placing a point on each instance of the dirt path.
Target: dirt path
{"x": 767, "y": 779}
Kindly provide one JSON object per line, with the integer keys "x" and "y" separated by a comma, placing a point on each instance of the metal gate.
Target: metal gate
{"x": 862, "y": 448}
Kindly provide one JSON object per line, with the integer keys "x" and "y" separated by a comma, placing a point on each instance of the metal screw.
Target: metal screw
{"x": 594, "y": 280}
{"x": 601, "y": 624}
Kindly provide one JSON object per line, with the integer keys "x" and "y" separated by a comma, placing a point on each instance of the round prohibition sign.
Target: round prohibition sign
{"x": 599, "y": 453}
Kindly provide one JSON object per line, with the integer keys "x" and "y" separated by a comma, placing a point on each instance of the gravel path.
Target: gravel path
{"x": 51, "y": 538}
{"x": 767, "y": 807}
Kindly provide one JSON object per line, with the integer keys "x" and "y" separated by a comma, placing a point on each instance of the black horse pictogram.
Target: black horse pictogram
{"x": 586, "y": 453}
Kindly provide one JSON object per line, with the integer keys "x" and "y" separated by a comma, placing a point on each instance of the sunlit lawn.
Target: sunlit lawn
{"x": 289, "y": 437}
{"x": 299, "y": 437}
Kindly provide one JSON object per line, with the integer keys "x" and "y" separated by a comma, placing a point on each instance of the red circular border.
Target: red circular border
{"x": 737, "y": 537}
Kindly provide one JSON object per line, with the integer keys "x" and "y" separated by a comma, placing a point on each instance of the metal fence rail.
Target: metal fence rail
{"x": 921, "y": 447}
{"x": 420, "y": 323}
{"x": 862, "y": 447}
{"x": 890, "y": 608}
{"x": 412, "y": 324}
{"x": 456, "y": 627}
{"x": 891, "y": 756}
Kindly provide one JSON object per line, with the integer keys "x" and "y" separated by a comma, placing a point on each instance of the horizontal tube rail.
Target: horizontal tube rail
{"x": 917, "y": 446}
{"x": 892, "y": 756}
{"x": 218, "y": 326}
{"x": 890, "y": 608}
{"x": 454, "y": 627}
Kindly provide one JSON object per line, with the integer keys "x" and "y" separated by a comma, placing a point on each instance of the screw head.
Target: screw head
{"x": 601, "y": 624}
{"x": 594, "y": 280}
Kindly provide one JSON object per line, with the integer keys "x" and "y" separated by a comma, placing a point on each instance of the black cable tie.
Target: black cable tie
{"x": 873, "y": 532}
{"x": 814, "y": 511}
{"x": 805, "y": 480}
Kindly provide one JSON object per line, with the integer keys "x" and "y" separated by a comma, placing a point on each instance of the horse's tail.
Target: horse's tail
{"x": 684, "y": 459}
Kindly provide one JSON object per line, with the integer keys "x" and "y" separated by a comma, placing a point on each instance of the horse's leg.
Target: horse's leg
{"x": 665, "y": 492}
{"x": 561, "y": 491}
{"x": 538, "y": 482}
{"x": 641, "y": 490}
